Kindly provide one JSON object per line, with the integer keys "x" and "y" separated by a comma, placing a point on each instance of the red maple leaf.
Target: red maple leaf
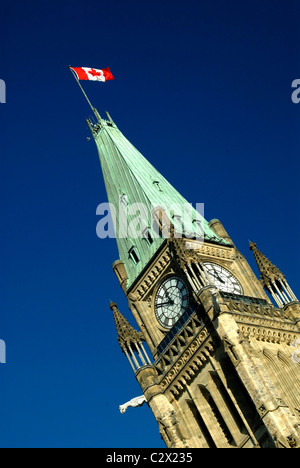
{"x": 94, "y": 72}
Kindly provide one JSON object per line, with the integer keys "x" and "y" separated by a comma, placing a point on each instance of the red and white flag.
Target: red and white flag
{"x": 92, "y": 74}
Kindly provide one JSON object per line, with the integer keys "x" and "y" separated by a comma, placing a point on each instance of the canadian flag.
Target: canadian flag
{"x": 92, "y": 74}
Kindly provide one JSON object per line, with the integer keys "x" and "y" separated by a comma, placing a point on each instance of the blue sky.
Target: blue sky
{"x": 203, "y": 90}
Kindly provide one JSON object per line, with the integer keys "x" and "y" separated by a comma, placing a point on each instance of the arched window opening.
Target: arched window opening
{"x": 201, "y": 424}
{"x": 134, "y": 255}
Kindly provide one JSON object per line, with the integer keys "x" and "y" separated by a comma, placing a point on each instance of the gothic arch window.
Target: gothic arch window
{"x": 146, "y": 234}
{"x": 231, "y": 412}
{"x": 240, "y": 394}
{"x": 156, "y": 184}
{"x": 177, "y": 220}
{"x": 123, "y": 199}
{"x": 133, "y": 254}
{"x": 122, "y": 215}
{"x": 207, "y": 438}
{"x": 292, "y": 377}
{"x": 198, "y": 227}
{"x": 217, "y": 424}
{"x": 281, "y": 376}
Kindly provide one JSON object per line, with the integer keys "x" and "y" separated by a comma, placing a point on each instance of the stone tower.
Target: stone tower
{"x": 224, "y": 368}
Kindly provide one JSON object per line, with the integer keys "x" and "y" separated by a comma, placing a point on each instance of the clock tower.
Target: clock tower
{"x": 222, "y": 370}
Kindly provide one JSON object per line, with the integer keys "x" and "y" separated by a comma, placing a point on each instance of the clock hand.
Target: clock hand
{"x": 218, "y": 277}
{"x": 168, "y": 296}
{"x": 165, "y": 303}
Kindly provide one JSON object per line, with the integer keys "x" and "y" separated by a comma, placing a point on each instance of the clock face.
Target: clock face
{"x": 223, "y": 279}
{"x": 172, "y": 300}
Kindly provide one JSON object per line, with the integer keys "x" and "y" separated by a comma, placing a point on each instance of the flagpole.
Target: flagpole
{"x": 85, "y": 95}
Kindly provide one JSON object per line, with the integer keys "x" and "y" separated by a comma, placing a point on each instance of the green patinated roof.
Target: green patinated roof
{"x": 128, "y": 174}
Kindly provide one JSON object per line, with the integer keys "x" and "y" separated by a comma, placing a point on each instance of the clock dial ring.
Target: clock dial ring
{"x": 223, "y": 279}
{"x": 171, "y": 301}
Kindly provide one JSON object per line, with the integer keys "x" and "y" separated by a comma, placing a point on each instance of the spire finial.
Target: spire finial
{"x": 272, "y": 279}
{"x": 129, "y": 339}
{"x": 113, "y": 306}
{"x": 127, "y": 335}
{"x": 268, "y": 271}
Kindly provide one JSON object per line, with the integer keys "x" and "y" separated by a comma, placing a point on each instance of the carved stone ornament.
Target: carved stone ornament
{"x": 137, "y": 401}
